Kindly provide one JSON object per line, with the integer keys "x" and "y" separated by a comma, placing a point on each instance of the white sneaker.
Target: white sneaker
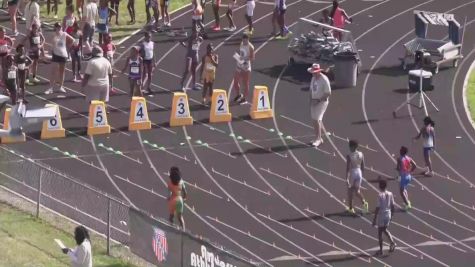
{"x": 49, "y": 91}
{"x": 317, "y": 143}
{"x": 62, "y": 90}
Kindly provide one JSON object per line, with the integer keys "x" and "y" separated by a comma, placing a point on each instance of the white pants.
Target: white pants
{"x": 356, "y": 177}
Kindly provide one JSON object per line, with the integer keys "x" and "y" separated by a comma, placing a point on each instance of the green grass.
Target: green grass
{"x": 471, "y": 94}
{"x": 122, "y": 30}
{"x": 27, "y": 241}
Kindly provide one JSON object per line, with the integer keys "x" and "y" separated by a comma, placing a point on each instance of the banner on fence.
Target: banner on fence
{"x": 164, "y": 245}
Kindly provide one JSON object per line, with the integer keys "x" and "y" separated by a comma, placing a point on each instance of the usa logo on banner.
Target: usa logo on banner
{"x": 160, "y": 244}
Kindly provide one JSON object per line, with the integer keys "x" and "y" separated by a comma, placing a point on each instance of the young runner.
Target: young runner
{"x": 191, "y": 62}
{"x": 279, "y": 16}
{"x": 427, "y": 133}
{"x": 209, "y": 63}
{"x": 131, "y": 9}
{"x": 35, "y": 40}
{"x": 354, "y": 175}
{"x": 177, "y": 196}
{"x": 69, "y": 19}
{"x": 243, "y": 70}
{"x": 102, "y": 26}
{"x": 196, "y": 17}
{"x": 149, "y": 64}
{"x": 339, "y": 18}
{"x": 405, "y": 166}
{"x": 135, "y": 65}
{"x": 75, "y": 52}
{"x": 108, "y": 49}
{"x": 22, "y": 62}
{"x": 250, "y": 6}
{"x": 383, "y": 214}
{"x": 10, "y": 79}
{"x": 216, "y": 5}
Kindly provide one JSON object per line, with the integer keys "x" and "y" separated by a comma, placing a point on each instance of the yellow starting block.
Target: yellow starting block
{"x": 219, "y": 107}
{"x": 98, "y": 119}
{"x": 260, "y": 108}
{"x": 180, "y": 115}
{"x": 6, "y": 125}
{"x": 53, "y": 128}
{"x": 138, "y": 119}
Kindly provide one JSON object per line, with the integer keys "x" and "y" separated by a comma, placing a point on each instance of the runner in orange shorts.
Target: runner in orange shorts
{"x": 177, "y": 197}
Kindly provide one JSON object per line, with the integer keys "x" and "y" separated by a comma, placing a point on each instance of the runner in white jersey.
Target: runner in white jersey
{"x": 383, "y": 214}
{"x": 354, "y": 175}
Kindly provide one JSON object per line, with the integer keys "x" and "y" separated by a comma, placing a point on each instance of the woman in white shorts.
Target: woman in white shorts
{"x": 382, "y": 216}
{"x": 320, "y": 92}
{"x": 250, "y": 5}
{"x": 354, "y": 175}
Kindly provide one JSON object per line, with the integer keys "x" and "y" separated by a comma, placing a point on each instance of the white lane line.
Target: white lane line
{"x": 463, "y": 205}
{"x": 363, "y": 99}
{"x": 288, "y": 179}
{"x": 164, "y": 149}
{"x": 170, "y": 73}
{"x": 241, "y": 182}
{"x": 268, "y": 217}
{"x": 118, "y": 153}
{"x": 106, "y": 171}
{"x": 249, "y": 234}
{"x": 152, "y": 166}
{"x": 209, "y": 192}
{"x": 330, "y": 174}
{"x": 451, "y": 222}
{"x": 141, "y": 187}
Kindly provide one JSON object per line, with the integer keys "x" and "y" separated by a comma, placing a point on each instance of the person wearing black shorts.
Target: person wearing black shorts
{"x": 131, "y": 9}
{"x": 10, "y": 78}
{"x": 193, "y": 48}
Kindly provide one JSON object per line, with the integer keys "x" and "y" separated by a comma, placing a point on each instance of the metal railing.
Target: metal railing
{"x": 60, "y": 193}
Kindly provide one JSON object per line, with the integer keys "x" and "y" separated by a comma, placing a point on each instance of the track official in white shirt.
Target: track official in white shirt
{"x": 320, "y": 92}
{"x": 81, "y": 256}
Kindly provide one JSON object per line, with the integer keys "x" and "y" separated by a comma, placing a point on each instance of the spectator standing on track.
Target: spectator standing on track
{"x": 209, "y": 63}
{"x": 22, "y": 62}
{"x": 108, "y": 48}
{"x": 97, "y": 77}
{"x": 216, "y": 5}
{"x": 320, "y": 92}
{"x": 12, "y": 11}
{"x": 32, "y": 14}
{"x": 131, "y": 9}
{"x": 50, "y": 8}
{"x": 6, "y": 44}
{"x": 81, "y": 256}
{"x": 35, "y": 40}
{"x": 149, "y": 63}
{"x": 61, "y": 41}
{"x": 250, "y": 6}
{"x": 192, "y": 44}
{"x": 177, "y": 196}
{"x": 405, "y": 166}
{"x": 354, "y": 175}
{"x": 75, "y": 52}
{"x": 165, "y": 16}
{"x": 89, "y": 22}
{"x": 136, "y": 68}
{"x": 382, "y": 216}
{"x": 115, "y": 7}
{"x": 242, "y": 74}
{"x": 427, "y": 133}
{"x": 10, "y": 79}
{"x": 102, "y": 26}
{"x": 229, "y": 14}
{"x": 339, "y": 18}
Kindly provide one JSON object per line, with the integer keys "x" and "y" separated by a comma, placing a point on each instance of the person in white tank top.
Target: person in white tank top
{"x": 427, "y": 133}
{"x": 383, "y": 214}
{"x": 61, "y": 40}
{"x": 242, "y": 75}
{"x": 354, "y": 175}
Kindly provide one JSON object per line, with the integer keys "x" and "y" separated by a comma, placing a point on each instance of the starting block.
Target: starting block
{"x": 219, "y": 107}
{"x": 53, "y": 128}
{"x": 180, "y": 115}
{"x": 6, "y": 125}
{"x": 260, "y": 108}
{"x": 138, "y": 119}
{"x": 97, "y": 119}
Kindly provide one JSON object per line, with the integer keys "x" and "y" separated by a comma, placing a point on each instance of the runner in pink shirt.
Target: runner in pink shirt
{"x": 339, "y": 19}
